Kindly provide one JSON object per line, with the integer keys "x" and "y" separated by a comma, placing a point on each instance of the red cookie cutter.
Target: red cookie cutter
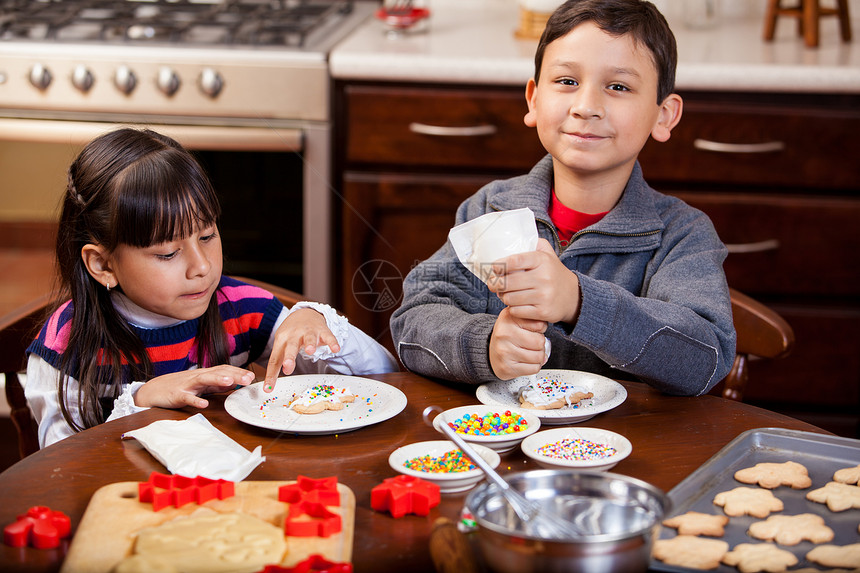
{"x": 405, "y": 494}
{"x": 307, "y": 515}
{"x": 168, "y": 490}
{"x": 40, "y": 527}
{"x": 313, "y": 564}
{"x": 322, "y": 491}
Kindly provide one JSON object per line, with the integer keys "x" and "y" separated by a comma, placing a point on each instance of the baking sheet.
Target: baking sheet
{"x": 821, "y": 454}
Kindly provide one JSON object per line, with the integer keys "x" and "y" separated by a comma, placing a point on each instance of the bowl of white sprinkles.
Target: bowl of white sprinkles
{"x": 592, "y": 449}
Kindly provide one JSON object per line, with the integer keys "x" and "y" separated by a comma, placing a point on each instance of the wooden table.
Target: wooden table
{"x": 671, "y": 437}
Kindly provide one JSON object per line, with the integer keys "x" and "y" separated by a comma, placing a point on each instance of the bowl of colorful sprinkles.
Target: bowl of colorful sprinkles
{"x": 441, "y": 462}
{"x": 500, "y": 429}
{"x": 577, "y": 448}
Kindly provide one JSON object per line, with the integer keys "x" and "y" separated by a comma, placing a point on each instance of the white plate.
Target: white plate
{"x": 501, "y": 442}
{"x": 608, "y": 394}
{"x": 374, "y": 402}
{"x": 533, "y": 443}
{"x": 448, "y": 482}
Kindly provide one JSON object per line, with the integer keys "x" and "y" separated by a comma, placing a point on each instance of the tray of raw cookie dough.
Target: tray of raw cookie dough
{"x": 821, "y": 454}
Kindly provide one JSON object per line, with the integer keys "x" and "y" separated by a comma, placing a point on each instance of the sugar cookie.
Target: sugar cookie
{"x": 792, "y": 529}
{"x": 837, "y": 496}
{"x": 748, "y": 501}
{"x": 848, "y": 475}
{"x": 690, "y": 551}
{"x": 697, "y": 523}
{"x": 753, "y": 557}
{"x": 321, "y": 397}
{"x": 835, "y": 555}
{"x": 771, "y": 475}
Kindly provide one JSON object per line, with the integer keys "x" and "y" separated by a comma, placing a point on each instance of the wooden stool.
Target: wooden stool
{"x": 807, "y": 13}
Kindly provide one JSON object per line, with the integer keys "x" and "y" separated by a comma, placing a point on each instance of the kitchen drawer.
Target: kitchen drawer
{"x": 790, "y": 245}
{"x": 449, "y": 128}
{"x": 725, "y": 143}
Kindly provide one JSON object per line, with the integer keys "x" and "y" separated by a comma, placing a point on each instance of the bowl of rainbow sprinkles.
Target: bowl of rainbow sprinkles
{"x": 500, "y": 429}
{"x": 592, "y": 449}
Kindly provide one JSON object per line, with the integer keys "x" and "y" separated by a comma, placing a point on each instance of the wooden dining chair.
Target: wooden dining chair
{"x": 761, "y": 333}
{"x": 17, "y": 330}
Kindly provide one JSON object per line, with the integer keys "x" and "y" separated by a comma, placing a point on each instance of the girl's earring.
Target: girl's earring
{"x": 108, "y": 286}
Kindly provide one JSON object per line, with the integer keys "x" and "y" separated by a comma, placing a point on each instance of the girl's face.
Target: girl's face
{"x": 174, "y": 279}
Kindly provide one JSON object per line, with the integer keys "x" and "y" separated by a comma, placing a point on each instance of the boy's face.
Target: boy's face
{"x": 595, "y": 103}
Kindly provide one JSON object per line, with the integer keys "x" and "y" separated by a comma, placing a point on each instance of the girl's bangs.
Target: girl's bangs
{"x": 162, "y": 201}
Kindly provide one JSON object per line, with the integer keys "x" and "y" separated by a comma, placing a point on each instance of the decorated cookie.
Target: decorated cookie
{"x": 754, "y": 557}
{"x": 836, "y": 555}
{"x": 322, "y": 397}
{"x": 690, "y": 551}
{"x": 696, "y": 523}
{"x": 848, "y": 475}
{"x": 771, "y": 475}
{"x": 551, "y": 393}
{"x": 748, "y": 501}
{"x": 837, "y": 496}
{"x": 792, "y": 529}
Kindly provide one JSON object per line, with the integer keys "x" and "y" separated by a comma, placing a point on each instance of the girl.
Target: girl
{"x": 145, "y": 317}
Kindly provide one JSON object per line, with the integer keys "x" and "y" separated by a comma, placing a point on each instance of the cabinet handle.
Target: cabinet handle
{"x": 470, "y": 131}
{"x": 765, "y": 147}
{"x": 757, "y": 247}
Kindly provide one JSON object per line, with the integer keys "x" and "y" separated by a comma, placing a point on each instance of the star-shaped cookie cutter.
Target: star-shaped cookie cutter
{"x": 313, "y": 564}
{"x": 405, "y": 494}
{"x": 40, "y": 527}
{"x": 323, "y": 490}
{"x": 164, "y": 490}
{"x": 307, "y": 515}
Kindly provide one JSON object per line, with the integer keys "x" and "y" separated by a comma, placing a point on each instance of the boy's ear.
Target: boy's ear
{"x": 670, "y": 115}
{"x": 98, "y": 264}
{"x": 531, "y": 90}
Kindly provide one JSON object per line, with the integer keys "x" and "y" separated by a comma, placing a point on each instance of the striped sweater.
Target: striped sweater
{"x": 248, "y": 313}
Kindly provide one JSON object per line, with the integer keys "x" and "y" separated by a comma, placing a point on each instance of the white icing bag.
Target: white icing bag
{"x": 482, "y": 241}
{"x": 194, "y": 447}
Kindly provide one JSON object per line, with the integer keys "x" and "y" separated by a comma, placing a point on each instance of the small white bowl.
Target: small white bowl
{"x": 501, "y": 443}
{"x": 448, "y": 482}
{"x": 622, "y": 446}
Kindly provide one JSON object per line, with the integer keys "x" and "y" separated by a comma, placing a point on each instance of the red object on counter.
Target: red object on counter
{"x": 322, "y": 522}
{"x": 313, "y": 564}
{"x": 323, "y": 490}
{"x": 164, "y": 490}
{"x": 40, "y": 527}
{"x": 405, "y": 494}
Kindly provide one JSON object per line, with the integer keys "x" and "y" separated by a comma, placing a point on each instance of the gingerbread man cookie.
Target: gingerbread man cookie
{"x": 837, "y": 496}
{"x": 697, "y": 523}
{"x": 690, "y": 551}
{"x": 754, "y": 557}
{"x": 772, "y": 475}
{"x": 748, "y": 501}
{"x": 792, "y": 529}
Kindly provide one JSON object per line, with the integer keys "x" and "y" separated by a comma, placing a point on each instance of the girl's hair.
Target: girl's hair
{"x": 127, "y": 187}
{"x": 642, "y": 20}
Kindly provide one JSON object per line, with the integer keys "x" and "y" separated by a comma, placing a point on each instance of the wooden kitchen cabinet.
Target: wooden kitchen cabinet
{"x": 777, "y": 174}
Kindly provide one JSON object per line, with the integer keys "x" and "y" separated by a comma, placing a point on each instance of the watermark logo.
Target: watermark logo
{"x": 377, "y": 286}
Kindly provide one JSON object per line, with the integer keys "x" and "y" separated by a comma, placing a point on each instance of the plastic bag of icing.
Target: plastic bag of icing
{"x": 482, "y": 241}
{"x": 194, "y": 447}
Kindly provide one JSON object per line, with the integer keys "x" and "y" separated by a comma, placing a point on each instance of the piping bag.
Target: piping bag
{"x": 488, "y": 238}
{"x": 194, "y": 447}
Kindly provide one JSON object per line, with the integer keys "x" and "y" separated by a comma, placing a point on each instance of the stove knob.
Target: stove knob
{"x": 82, "y": 78}
{"x": 211, "y": 82}
{"x": 125, "y": 80}
{"x": 167, "y": 81}
{"x": 40, "y": 77}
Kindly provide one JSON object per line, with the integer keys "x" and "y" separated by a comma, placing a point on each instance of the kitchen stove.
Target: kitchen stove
{"x": 244, "y": 83}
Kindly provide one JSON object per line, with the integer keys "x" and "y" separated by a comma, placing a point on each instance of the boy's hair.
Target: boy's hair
{"x": 638, "y": 18}
{"x": 127, "y": 187}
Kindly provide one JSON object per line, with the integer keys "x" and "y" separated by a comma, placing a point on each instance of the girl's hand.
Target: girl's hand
{"x": 305, "y": 329}
{"x": 182, "y": 389}
{"x": 516, "y": 346}
{"x": 537, "y": 286}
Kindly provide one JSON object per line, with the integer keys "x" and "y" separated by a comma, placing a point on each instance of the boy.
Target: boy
{"x": 625, "y": 282}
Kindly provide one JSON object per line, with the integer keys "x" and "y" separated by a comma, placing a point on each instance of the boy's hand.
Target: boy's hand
{"x": 537, "y": 286}
{"x": 181, "y": 389}
{"x": 305, "y": 329}
{"x": 516, "y": 346}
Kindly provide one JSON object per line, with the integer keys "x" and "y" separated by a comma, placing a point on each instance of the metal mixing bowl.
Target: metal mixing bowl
{"x": 620, "y": 518}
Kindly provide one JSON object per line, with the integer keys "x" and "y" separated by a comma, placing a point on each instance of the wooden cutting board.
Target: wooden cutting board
{"x": 114, "y": 515}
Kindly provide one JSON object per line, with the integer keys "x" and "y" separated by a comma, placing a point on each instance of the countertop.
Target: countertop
{"x": 473, "y": 42}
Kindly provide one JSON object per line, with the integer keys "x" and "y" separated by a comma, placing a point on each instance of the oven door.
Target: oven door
{"x": 272, "y": 183}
